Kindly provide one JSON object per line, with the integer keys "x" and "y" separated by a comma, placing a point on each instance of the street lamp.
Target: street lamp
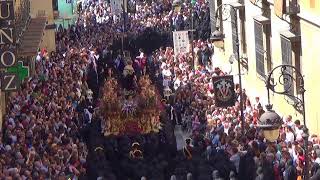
{"x": 217, "y": 38}
{"x": 270, "y": 123}
{"x": 193, "y": 2}
{"x": 286, "y": 83}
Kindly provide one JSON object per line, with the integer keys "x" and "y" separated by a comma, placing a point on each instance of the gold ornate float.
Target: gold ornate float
{"x": 130, "y": 112}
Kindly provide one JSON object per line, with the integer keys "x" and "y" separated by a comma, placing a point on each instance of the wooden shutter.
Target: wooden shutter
{"x": 234, "y": 32}
{"x": 212, "y": 15}
{"x": 259, "y": 48}
{"x": 286, "y": 49}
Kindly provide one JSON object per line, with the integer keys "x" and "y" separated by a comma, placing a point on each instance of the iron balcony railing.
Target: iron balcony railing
{"x": 22, "y": 18}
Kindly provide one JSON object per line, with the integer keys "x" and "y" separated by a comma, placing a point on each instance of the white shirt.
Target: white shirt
{"x": 255, "y": 105}
{"x": 289, "y": 137}
{"x": 38, "y": 58}
{"x": 299, "y": 133}
{"x": 177, "y": 83}
{"x": 166, "y": 72}
{"x": 163, "y": 64}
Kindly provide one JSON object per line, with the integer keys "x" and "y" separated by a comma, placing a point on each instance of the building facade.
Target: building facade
{"x": 26, "y": 26}
{"x": 271, "y": 33}
{"x": 43, "y": 8}
{"x": 65, "y": 12}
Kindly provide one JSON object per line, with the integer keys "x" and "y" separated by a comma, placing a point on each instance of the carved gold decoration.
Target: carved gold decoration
{"x": 115, "y": 108}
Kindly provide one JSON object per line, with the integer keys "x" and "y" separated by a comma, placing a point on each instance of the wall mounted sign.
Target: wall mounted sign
{"x": 130, "y": 6}
{"x": 224, "y": 92}
{"x": 180, "y": 42}
{"x": 9, "y": 81}
{"x": 21, "y": 70}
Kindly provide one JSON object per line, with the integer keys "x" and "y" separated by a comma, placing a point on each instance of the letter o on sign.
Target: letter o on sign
{"x": 8, "y": 59}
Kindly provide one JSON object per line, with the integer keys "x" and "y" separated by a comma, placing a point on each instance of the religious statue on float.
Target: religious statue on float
{"x": 129, "y": 107}
{"x": 129, "y": 77}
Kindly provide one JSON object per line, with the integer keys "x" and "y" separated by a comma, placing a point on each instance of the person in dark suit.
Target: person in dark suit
{"x": 290, "y": 172}
{"x": 188, "y": 149}
{"x": 315, "y": 172}
{"x": 247, "y": 167}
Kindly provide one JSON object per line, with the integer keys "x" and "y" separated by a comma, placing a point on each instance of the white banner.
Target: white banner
{"x": 180, "y": 42}
{"x": 116, "y": 6}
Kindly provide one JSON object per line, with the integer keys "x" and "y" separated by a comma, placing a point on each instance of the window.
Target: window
{"x": 259, "y": 48}
{"x": 242, "y": 17}
{"x": 55, "y": 5}
{"x": 286, "y": 50}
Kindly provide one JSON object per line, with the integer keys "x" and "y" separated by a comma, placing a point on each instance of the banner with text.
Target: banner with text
{"x": 130, "y": 6}
{"x": 224, "y": 92}
{"x": 180, "y": 42}
{"x": 9, "y": 80}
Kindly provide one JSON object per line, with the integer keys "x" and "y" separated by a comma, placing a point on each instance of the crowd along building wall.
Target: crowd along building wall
{"x": 268, "y": 40}
{"x": 8, "y": 54}
{"x": 28, "y": 23}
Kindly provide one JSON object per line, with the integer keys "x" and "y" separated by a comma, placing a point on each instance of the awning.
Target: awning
{"x": 32, "y": 37}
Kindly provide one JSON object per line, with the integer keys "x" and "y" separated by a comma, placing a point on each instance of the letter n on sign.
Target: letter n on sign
{"x": 7, "y": 35}
{"x": 10, "y": 82}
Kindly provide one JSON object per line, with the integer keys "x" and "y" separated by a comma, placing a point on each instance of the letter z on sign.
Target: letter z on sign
{"x": 10, "y": 82}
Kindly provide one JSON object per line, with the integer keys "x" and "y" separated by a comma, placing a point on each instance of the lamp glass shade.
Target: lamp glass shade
{"x": 219, "y": 44}
{"x": 271, "y": 135}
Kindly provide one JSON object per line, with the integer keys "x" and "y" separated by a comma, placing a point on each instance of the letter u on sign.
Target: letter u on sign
{"x": 6, "y": 10}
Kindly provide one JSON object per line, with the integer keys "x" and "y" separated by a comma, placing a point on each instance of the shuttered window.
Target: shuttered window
{"x": 234, "y": 32}
{"x": 259, "y": 48}
{"x": 212, "y": 15}
{"x": 55, "y": 5}
{"x": 286, "y": 49}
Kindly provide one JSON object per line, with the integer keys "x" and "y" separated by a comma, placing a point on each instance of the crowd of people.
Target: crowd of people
{"x": 219, "y": 130}
{"x": 51, "y": 131}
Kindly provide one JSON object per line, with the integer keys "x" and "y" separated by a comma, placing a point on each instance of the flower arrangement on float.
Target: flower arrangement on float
{"x": 129, "y": 109}
{"x": 130, "y": 112}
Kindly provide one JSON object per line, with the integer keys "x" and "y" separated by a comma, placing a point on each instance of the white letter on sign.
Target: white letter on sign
{"x": 10, "y": 85}
{"x": 7, "y": 35}
{"x": 7, "y": 12}
{"x": 11, "y": 61}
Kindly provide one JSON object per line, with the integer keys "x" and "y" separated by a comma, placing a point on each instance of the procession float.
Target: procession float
{"x": 133, "y": 109}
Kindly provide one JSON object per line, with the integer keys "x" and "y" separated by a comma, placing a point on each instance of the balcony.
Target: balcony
{"x": 22, "y": 18}
{"x": 32, "y": 36}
